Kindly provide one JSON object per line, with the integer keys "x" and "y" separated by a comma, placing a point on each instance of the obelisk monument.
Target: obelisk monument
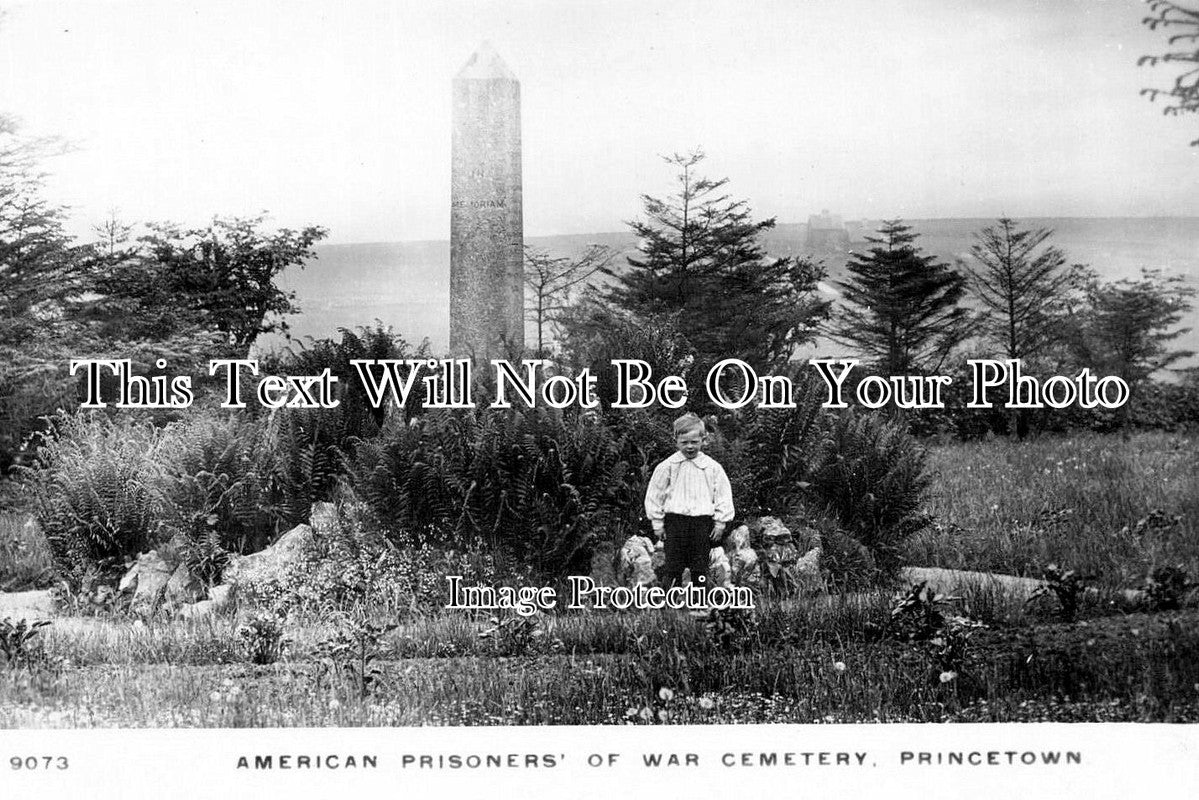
{"x": 486, "y": 221}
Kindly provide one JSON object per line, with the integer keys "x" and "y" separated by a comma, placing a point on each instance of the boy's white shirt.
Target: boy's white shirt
{"x": 695, "y": 487}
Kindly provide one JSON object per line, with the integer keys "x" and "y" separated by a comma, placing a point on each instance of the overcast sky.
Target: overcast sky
{"x": 338, "y": 113}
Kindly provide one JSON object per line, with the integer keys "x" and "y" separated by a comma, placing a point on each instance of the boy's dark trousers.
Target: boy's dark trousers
{"x": 688, "y": 542}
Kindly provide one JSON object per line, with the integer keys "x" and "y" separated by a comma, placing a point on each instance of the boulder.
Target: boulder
{"x": 273, "y": 564}
{"x": 774, "y": 532}
{"x": 806, "y": 573}
{"x": 635, "y": 562}
{"x": 183, "y": 587}
{"x": 147, "y": 579}
{"x": 200, "y": 609}
{"x": 221, "y": 596}
{"x": 742, "y": 559}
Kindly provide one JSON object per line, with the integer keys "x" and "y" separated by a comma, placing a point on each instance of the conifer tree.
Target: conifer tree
{"x": 1019, "y": 288}
{"x": 700, "y": 262}
{"x": 900, "y": 307}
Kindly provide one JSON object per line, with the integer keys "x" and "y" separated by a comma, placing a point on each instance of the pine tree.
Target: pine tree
{"x": 700, "y": 262}
{"x": 1018, "y": 287}
{"x": 900, "y": 307}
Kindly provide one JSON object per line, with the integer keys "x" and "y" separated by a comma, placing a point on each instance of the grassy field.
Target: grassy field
{"x": 1098, "y": 504}
{"x": 1113, "y": 507}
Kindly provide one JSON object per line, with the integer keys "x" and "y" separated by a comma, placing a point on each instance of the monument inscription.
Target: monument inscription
{"x": 486, "y": 220}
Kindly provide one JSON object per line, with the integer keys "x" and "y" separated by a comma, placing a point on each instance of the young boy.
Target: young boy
{"x": 689, "y": 501}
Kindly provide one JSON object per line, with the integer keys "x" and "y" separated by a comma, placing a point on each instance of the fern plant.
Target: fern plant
{"x": 95, "y": 487}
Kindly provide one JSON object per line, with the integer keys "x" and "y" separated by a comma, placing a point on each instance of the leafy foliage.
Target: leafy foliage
{"x": 217, "y": 488}
{"x": 1068, "y": 586}
{"x": 1183, "y": 96}
{"x": 359, "y": 419}
{"x": 95, "y": 489}
{"x": 18, "y": 641}
{"x": 1126, "y": 327}
{"x": 262, "y": 639}
{"x": 223, "y": 276}
{"x": 1167, "y": 587}
{"x": 869, "y": 475}
{"x": 354, "y": 650}
{"x": 539, "y": 485}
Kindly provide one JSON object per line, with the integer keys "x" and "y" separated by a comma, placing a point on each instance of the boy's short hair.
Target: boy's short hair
{"x": 687, "y": 423}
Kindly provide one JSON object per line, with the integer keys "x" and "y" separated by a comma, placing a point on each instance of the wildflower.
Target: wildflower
{"x": 839, "y": 666}
{"x": 666, "y": 694}
{"x": 707, "y": 703}
{"x": 948, "y": 675}
{"x": 334, "y": 704}
{"x": 646, "y": 714}
{"x": 215, "y": 696}
{"x": 663, "y": 715}
{"x": 630, "y": 711}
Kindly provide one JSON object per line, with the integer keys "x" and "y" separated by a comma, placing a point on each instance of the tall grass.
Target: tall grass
{"x": 25, "y": 559}
{"x": 1136, "y": 668}
{"x": 1015, "y": 507}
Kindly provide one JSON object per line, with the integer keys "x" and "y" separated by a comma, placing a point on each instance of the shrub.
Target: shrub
{"x": 262, "y": 639}
{"x": 539, "y": 486}
{"x": 216, "y": 489}
{"x": 354, "y": 650}
{"x": 95, "y": 489}
{"x": 869, "y": 475}
{"x": 19, "y": 642}
{"x": 303, "y": 448}
{"x": 1068, "y": 586}
{"x": 1167, "y": 588}
{"x": 360, "y": 420}
{"x": 780, "y": 445}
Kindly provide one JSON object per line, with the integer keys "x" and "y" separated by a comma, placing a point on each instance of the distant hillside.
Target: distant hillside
{"x": 406, "y": 284}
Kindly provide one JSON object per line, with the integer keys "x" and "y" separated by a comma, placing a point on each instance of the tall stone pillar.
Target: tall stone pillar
{"x": 486, "y": 221}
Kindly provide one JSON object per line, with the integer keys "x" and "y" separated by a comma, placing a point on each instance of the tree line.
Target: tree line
{"x": 170, "y": 292}
{"x": 700, "y": 288}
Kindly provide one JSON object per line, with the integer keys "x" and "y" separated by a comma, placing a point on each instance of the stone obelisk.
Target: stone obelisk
{"x": 486, "y": 222}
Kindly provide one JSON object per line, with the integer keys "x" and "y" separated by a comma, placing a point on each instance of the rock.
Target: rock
{"x": 720, "y": 573}
{"x": 634, "y": 566}
{"x": 323, "y": 519}
{"x": 272, "y": 564}
{"x": 774, "y": 532}
{"x": 200, "y": 610}
{"x": 147, "y": 579}
{"x": 221, "y": 596}
{"x": 742, "y": 559}
{"x": 183, "y": 587}
{"x": 36, "y": 605}
{"x": 806, "y": 573}
{"x": 737, "y": 540}
{"x": 954, "y": 581}
{"x": 603, "y": 565}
